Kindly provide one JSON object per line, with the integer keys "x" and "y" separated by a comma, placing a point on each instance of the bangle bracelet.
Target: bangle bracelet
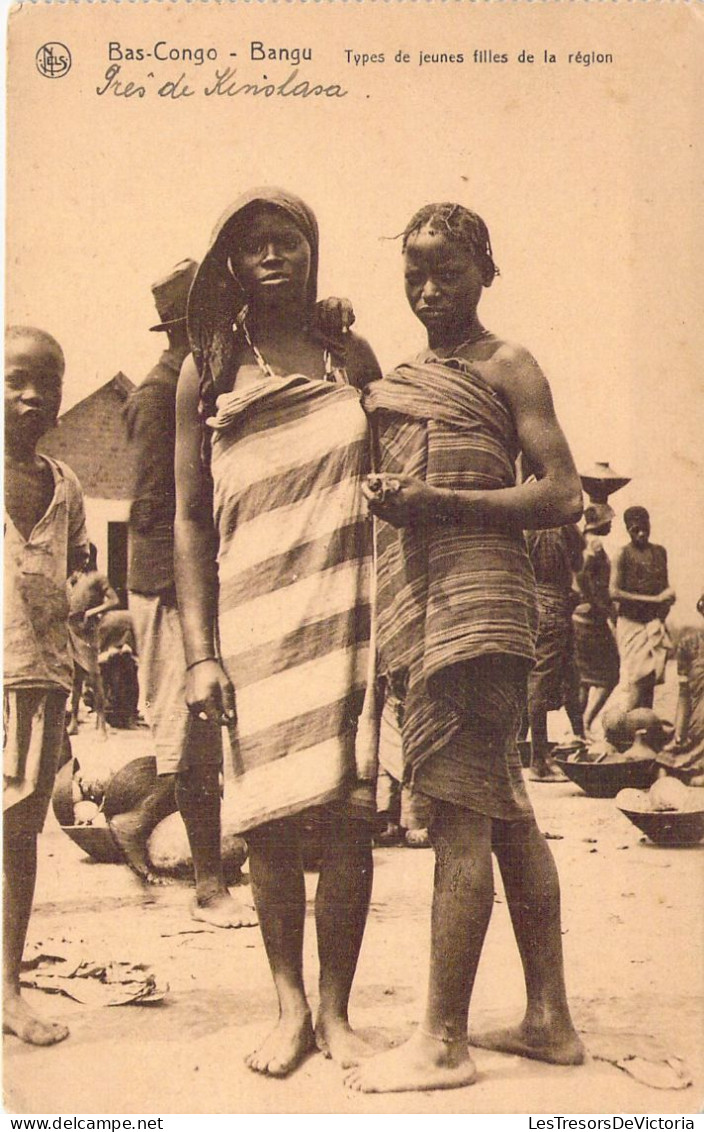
{"x": 202, "y": 660}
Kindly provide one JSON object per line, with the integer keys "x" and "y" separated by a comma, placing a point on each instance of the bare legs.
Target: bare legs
{"x": 131, "y": 830}
{"x": 20, "y": 872}
{"x": 76, "y": 690}
{"x": 594, "y": 697}
{"x": 436, "y": 1057}
{"x": 573, "y": 705}
{"x": 533, "y": 896}
{"x": 198, "y": 798}
{"x": 195, "y": 792}
{"x": 542, "y": 766}
{"x": 96, "y": 683}
{"x": 640, "y": 694}
{"x": 341, "y": 905}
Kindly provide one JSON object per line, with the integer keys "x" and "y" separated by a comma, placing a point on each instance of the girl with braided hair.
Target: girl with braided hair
{"x": 457, "y": 619}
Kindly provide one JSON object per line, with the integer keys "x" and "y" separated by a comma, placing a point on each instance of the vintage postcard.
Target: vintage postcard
{"x": 470, "y": 232}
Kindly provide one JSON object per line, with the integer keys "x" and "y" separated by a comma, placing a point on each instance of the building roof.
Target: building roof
{"x": 91, "y": 438}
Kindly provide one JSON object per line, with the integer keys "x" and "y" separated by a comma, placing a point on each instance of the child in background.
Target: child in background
{"x": 90, "y": 595}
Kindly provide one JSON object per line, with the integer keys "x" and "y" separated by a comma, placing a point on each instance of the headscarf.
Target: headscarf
{"x": 214, "y": 302}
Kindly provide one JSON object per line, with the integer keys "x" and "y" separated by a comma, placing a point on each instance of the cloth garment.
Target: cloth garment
{"x": 449, "y": 595}
{"x": 36, "y": 643}
{"x": 480, "y": 768}
{"x": 595, "y": 645}
{"x": 288, "y": 455}
{"x": 555, "y": 671}
{"x": 690, "y": 671}
{"x": 394, "y": 800}
{"x": 162, "y": 678}
{"x": 150, "y": 418}
{"x": 294, "y": 565}
{"x": 555, "y": 554}
{"x": 34, "y": 721}
{"x": 642, "y": 648}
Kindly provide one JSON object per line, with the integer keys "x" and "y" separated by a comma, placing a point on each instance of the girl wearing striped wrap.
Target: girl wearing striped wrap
{"x": 273, "y": 563}
{"x": 457, "y": 609}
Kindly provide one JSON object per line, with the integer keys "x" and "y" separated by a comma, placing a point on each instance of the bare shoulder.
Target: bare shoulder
{"x": 513, "y": 372}
{"x": 660, "y": 551}
{"x": 361, "y": 362}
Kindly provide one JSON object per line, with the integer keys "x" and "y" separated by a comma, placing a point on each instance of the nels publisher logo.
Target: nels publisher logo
{"x": 53, "y": 60}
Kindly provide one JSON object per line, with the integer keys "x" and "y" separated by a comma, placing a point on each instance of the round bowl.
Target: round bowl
{"x": 95, "y": 840}
{"x": 604, "y": 780}
{"x": 668, "y": 827}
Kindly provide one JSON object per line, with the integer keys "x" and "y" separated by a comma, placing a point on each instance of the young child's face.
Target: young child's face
{"x": 443, "y": 281}
{"x": 33, "y": 373}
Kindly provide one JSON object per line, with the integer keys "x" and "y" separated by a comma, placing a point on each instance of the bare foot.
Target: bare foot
{"x": 224, "y": 911}
{"x": 284, "y": 1048}
{"x": 18, "y": 1019}
{"x": 129, "y": 836}
{"x": 337, "y": 1040}
{"x": 541, "y": 1043}
{"x": 420, "y": 1063}
{"x": 72, "y": 728}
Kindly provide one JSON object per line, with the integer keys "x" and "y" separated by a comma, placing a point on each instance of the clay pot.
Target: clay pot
{"x": 639, "y": 750}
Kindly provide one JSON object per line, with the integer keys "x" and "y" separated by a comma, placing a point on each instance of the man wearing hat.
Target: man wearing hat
{"x": 640, "y": 586}
{"x": 187, "y": 750}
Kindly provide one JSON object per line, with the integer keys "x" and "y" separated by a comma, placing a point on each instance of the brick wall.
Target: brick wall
{"x": 91, "y": 439}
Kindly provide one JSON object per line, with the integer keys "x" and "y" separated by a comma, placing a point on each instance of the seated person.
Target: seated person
{"x": 686, "y": 751}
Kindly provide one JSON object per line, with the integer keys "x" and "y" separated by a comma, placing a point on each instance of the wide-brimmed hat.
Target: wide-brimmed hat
{"x": 600, "y": 481}
{"x": 171, "y": 294}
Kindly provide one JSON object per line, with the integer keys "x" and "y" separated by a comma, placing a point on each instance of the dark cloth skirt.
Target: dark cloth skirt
{"x": 479, "y": 769}
{"x": 596, "y": 651}
{"x": 555, "y": 669}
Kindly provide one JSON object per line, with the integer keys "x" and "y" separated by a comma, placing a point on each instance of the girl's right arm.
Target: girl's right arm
{"x": 208, "y": 690}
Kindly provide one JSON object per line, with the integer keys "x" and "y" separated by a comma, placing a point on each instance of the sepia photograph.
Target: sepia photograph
{"x": 353, "y": 561}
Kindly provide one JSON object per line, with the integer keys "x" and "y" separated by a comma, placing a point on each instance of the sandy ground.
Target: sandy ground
{"x": 632, "y": 915}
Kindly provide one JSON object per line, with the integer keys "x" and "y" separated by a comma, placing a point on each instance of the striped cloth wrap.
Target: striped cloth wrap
{"x": 448, "y": 593}
{"x": 288, "y": 459}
